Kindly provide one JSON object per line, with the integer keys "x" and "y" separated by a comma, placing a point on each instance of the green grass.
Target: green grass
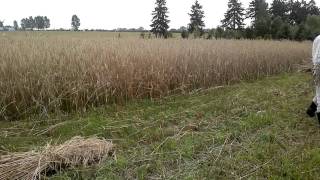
{"x": 249, "y": 130}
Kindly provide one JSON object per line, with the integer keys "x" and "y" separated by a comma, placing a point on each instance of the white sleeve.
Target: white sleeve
{"x": 316, "y": 51}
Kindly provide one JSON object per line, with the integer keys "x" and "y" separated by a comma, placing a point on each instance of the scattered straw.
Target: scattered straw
{"x": 73, "y": 153}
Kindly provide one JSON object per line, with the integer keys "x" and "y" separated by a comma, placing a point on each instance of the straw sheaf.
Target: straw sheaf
{"x": 73, "y": 153}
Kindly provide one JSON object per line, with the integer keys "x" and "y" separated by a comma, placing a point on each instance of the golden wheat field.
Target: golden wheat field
{"x": 45, "y": 73}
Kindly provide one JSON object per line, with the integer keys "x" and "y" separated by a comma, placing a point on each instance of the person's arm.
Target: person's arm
{"x": 316, "y": 51}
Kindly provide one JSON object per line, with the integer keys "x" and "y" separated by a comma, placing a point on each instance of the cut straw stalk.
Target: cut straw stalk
{"x": 74, "y": 153}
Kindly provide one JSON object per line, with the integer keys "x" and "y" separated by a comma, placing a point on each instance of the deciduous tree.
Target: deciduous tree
{"x": 15, "y": 25}
{"x": 75, "y": 22}
{"x": 39, "y": 22}
{"x": 23, "y": 23}
{"x": 31, "y": 23}
{"x": 46, "y": 22}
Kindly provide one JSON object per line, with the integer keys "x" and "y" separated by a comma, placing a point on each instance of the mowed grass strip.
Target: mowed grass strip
{"x": 252, "y": 129}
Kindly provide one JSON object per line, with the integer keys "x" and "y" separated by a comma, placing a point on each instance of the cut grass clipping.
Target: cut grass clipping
{"x": 73, "y": 153}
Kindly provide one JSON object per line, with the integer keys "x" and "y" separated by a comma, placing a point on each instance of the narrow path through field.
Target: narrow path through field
{"x": 254, "y": 129}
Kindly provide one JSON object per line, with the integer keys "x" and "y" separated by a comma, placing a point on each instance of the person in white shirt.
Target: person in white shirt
{"x": 314, "y": 109}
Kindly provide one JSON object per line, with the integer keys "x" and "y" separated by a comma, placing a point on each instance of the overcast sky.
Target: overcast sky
{"x": 110, "y": 14}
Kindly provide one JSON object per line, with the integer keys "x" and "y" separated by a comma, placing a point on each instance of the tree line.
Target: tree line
{"x": 39, "y": 23}
{"x": 283, "y": 19}
{"x": 30, "y": 23}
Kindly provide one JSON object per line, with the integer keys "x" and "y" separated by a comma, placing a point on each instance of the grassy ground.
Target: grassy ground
{"x": 252, "y": 129}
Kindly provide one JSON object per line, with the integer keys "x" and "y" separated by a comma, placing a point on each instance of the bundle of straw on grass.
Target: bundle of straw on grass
{"x": 73, "y": 153}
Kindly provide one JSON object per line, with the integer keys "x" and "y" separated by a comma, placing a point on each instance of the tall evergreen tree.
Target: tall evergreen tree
{"x": 160, "y": 20}
{"x": 261, "y": 21}
{"x": 75, "y": 22}
{"x": 1, "y": 23}
{"x": 196, "y": 19}
{"x": 257, "y": 9}
{"x": 279, "y": 8}
{"x": 234, "y": 16}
